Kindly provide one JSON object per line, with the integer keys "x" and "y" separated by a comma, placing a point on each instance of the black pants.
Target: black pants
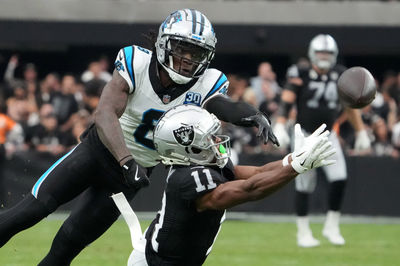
{"x": 78, "y": 172}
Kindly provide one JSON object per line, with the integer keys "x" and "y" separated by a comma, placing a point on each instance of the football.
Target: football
{"x": 356, "y": 87}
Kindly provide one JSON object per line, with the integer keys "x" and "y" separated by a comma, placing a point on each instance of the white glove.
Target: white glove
{"x": 362, "y": 142}
{"x": 311, "y": 152}
{"x": 282, "y": 135}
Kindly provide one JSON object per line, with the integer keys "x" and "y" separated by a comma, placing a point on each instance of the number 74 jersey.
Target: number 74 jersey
{"x": 144, "y": 107}
{"x": 317, "y": 97}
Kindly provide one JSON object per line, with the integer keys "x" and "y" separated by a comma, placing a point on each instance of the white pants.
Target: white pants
{"x": 137, "y": 258}
{"x": 307, "y": 182}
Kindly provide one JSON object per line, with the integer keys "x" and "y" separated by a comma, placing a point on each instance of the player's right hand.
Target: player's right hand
{"x": 282, "y": 135}
{"x": 134, "y": 175}
{"x": 312, "y": 151}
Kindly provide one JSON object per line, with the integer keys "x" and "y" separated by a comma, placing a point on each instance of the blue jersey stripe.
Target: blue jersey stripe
{"x": 129, "y": 62}
{"x": 35, "y": 188}
{"x": 221, "y": 81}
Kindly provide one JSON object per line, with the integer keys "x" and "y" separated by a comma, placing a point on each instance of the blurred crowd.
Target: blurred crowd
{"x": 48, "y": 114}
{"x": 382, "y": 117}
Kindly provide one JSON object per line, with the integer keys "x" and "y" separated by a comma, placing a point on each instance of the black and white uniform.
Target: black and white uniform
{"x": 180, "y": 235}
{"x": 317, "y": 103}
{"x": 91, "y": 169}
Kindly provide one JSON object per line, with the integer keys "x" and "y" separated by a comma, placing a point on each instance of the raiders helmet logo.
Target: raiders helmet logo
{"x": 184, "y": 135}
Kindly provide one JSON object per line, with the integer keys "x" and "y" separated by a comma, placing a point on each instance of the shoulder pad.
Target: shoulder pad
{"x": 130, "y": 63}
{"x": 215, "y": 82}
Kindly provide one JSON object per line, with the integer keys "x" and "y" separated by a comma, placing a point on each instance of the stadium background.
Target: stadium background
{"x": 65, "y": 36}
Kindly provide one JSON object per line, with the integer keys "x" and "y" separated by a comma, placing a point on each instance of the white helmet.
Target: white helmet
{"x": 184, "y": 32}
{"x": 323, "y": 43}
{"x": 187, "y": 134}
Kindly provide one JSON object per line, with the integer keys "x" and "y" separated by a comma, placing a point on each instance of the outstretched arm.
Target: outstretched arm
{"x": 309, "y": 153}
{"x": 236, "y": 192}
{"x": 247, "y": 171}
{"x": 241, "y": 114}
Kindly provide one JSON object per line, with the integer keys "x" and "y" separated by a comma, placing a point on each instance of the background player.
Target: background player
{"x": 314, "y": 91}
{"x": 118, "y": 145}
{"x": 202, "y": 183}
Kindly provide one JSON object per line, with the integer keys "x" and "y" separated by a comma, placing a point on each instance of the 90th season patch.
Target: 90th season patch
{"x": 184, "y": 135}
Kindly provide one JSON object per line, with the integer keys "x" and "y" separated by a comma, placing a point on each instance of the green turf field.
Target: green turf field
{"x": 239, "y": 243}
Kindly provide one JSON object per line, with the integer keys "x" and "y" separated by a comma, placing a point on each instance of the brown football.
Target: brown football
{"x": 356, "y": 87}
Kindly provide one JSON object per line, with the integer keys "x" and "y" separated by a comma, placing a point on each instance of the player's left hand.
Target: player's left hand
{"x": 264, "y": 127}
{"x": 362, "y": 142}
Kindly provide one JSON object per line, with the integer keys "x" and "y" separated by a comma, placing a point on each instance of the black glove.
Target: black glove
{"x": 264, "y": 127}
{"x": 134, "y": 175}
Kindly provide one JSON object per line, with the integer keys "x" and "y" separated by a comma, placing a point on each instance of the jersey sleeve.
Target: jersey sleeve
{"x": 197, "y": 182}
{"x": 219, "y": 87}
{"x": 124, "y": 66}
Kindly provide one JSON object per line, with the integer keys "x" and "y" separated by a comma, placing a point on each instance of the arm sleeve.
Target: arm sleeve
{"x": 229, "y": 111}
{"x": 124, "y": 65}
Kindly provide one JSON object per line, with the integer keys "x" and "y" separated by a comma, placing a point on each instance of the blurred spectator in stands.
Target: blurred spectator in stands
{"x": 97, "y": 70}
{"x": 11, "y": 134}
{"x": 391, "y": 85}
{"x": 92, "y": 93}
{"x": 265, "y": 82}
{"x": 82, "y": 119}
{"x": 271, "y": 100}
{"x": 29, "y": 74}
{"x": 396, "y": 132}
{"x": 19, "y": 108}
{"x": 46, "y": 136}
{"x": 64, "y": 102}
{"x": 49, "y": 85}
{"x": 382, "y": 145}
{"x": 385, "y": 106}
{"x": 11, "y": 140}
{"x": 237, "y": 86}
{"x": 243, "y": 139}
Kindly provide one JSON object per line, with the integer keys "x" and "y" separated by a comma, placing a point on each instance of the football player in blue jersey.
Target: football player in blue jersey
{"x": 117, "y": 152}
{"x": 202, "y": 183}
{"x": 314, "y": 91}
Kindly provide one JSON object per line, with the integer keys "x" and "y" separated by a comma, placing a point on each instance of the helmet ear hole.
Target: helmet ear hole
{"x": 196, "y": 150}
{"x": 192, "y": 150}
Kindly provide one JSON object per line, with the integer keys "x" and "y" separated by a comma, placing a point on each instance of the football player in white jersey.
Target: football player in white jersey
{"x": 117, "y": 152}
{"x": 314, "y": 91}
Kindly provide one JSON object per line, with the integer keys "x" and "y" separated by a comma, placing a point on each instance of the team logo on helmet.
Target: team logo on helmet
{"x": 184, "y": 135}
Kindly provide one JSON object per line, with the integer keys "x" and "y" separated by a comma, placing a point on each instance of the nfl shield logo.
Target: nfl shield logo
{"x": 184, "y": 135}
{"x": 166, "y": 99}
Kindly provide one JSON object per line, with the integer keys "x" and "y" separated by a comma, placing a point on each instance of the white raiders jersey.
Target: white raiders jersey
{"x": 144, "y": 107}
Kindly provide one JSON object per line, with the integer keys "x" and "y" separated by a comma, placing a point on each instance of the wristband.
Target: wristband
{"x": 130, "y": 155}
{"x": 285, "y": 160}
